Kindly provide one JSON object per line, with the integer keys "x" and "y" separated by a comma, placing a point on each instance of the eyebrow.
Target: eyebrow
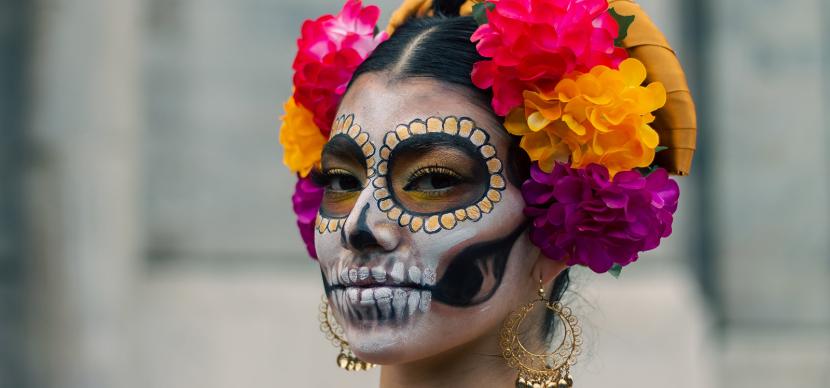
{"x": 343, "y": 147}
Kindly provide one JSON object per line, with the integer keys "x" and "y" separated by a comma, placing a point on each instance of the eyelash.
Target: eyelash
{"x": 324, "y": 178}
{"x": 432, "y": 170}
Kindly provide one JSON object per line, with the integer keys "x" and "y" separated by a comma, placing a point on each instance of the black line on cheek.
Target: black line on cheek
{"x": 462, "y": 282}
{"x": 326, "y": 285}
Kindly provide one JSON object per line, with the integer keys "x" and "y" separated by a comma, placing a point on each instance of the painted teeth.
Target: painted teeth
{"x": 428, "y": 277}
{"x": 379, "y": 274}
{"x": 362, "y": 273}
{"x": 397, "y": 273}
{"x": 354, "y": 294}
{"x": 353, "y": 276}
{"x": 367, "y": 297}
{"x": 415, "y": 275}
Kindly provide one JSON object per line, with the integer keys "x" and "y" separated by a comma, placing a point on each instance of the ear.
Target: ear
{"x": 546, "y": 268}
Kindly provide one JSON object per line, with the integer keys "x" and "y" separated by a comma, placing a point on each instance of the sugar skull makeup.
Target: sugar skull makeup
{"x": 419, "y": 226}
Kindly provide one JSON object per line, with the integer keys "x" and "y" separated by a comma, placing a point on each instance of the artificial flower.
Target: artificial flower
{"x": 585, "y": 218}
{"x": 306, "y": 200}
{"x": 600, "y": 117}
{"x": 302, "y": 141}
{"x": 532, "y": 44}
{"x": 329, "y": 51}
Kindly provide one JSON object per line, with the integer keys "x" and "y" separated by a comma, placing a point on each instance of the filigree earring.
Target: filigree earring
{"x": 543, "y": 370}
{"x": 334, "y": 333}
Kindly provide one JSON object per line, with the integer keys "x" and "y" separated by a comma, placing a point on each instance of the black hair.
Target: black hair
{"x": 439, "y": 48}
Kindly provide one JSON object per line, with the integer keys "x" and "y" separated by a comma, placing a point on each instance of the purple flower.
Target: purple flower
{"x": 582, "y": 216}
{"x": 307, "y": 198}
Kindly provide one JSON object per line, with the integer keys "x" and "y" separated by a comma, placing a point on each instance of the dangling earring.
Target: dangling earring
{"x": 546, "y": 370}
{"x": 334, "y": 333}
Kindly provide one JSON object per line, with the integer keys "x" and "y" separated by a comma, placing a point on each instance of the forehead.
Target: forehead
{"x": 380, "y": 104}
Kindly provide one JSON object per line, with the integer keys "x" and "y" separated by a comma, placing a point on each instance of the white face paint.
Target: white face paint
{"x": 420, "y": 226}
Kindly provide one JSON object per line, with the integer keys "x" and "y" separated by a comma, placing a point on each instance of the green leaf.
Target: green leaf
{"x": 615, "y": 271}
{"x": 624, "y": 22}
{"x": 480, "y": 12}
{"x": 648, "y": 170}
{"x": 660, "y": 148}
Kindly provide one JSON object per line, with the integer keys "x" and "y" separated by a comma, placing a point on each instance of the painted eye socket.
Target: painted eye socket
{"x": 339, "y": 180}
{"x": 433, "y": 180}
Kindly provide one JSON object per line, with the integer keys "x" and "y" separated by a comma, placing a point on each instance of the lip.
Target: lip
{"x": 392, "y": 274}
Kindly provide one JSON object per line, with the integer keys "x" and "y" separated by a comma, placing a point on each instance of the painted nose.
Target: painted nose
{"x": 369, "y": 229}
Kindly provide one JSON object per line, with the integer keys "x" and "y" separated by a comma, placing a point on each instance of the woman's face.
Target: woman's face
{"x": 420, "y": 237}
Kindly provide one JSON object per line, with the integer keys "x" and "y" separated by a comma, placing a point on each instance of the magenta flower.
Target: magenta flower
{"x": 307, "y": 199}
{"x": 532, "y": 44}
{"x": 581, "y": 216}
{"x": 329, "y": 51}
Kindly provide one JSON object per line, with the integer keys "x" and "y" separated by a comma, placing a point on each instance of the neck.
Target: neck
{"x": 477, "y": 364}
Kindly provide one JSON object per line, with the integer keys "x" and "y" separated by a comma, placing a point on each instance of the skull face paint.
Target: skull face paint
{"x": 427, "y": 227}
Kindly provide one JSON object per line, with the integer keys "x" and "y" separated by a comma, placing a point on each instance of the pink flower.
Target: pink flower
{"x": 534, "y": 43}
{"x": 307, "y": 199}
{"x": 329, "y": 51}
{"x": 581, "y": 216}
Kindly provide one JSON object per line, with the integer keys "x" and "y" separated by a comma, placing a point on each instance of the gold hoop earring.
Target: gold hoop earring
{"x": 334, "y": 333}
{"x": 542, "y": 370}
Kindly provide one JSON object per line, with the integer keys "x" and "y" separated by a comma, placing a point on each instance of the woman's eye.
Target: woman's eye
{"x": 433, "y": 181}
{"x": 344, "y": 183}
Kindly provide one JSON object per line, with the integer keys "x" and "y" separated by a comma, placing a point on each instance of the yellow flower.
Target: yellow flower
{"x": 600, "y": 117}
{"x": 301, "y": 139}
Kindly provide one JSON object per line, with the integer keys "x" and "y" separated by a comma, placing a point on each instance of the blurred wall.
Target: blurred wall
{"x": 160, "y": 248}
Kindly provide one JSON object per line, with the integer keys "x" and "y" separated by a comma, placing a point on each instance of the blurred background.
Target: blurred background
{"x": 147, "y": 240}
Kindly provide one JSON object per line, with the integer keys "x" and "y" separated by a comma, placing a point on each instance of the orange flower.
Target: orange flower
{"x": 600, "y": 117}
{"x": 301, "y": 139}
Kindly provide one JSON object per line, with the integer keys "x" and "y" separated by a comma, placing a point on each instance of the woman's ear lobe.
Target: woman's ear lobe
{"x": 547, "y": 269}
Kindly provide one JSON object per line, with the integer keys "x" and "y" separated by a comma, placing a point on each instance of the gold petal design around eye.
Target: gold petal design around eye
{"x": 379, "y": 182}
{"x": 403, "y": 132}
{"x": 391, "y": 140}
{"x": 385, "y": 152}
{"x": 381, "y": 194}
{"x": 497, "y": 181}
{"x": 333, "y": 225}
{"x": 478, "y": 137}
{"x": 347, "y": 122}
{"x": 362, "y": 138}
{"x": 460, "y": 215}
{"x": 485, "y": 205}
{"x": 465, "y": 127}
{"x": 354, "y": 130}
{"x": 382, "y": 168}
{"x": 494, "y": 195}
{"x": 386, "y": 204}
{"x": 368, "y": 150}
{"x": 405, "y": 219}
{"x": 451, "y": 125}
{"x": 473, "y": 212}
{"x": 434, "y": 124}
{"x": 394, "y": 214}
{"x": 416, "y": 224}
{"x": 324, "y": 224}
{"x": 487, "y": 151}
{"x": 494, "y": 166}
{"x": 418, "y": 127}
{"x": 448, "y": 220}
{"x": 432, "y": 224}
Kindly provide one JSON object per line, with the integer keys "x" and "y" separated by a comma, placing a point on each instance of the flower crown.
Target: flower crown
{"x": 591, "y": 87}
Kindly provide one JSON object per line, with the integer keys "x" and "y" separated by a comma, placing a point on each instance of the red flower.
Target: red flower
{"x": 534, "y": 43}
{"x": 329, "y": 51}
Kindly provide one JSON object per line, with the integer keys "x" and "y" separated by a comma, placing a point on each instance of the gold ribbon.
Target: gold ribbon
{"x": 676, "y": 122}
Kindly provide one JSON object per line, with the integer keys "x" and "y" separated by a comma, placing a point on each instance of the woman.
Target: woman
{"x": 454, "y": 167}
